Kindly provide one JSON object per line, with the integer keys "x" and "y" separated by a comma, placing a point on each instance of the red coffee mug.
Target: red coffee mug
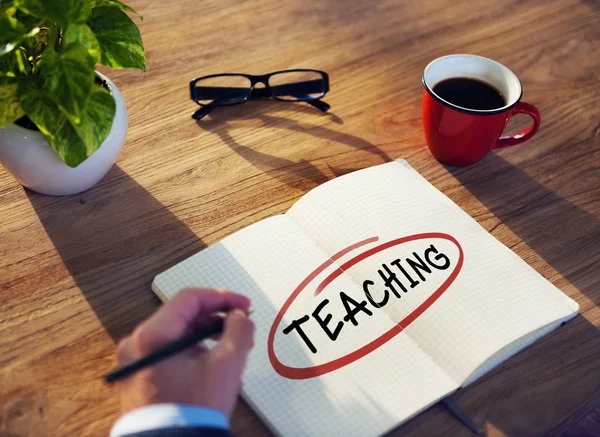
{"x": 462, "y": 136}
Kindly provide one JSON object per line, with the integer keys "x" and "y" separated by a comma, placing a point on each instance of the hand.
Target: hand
{"x": 208, "y": 378}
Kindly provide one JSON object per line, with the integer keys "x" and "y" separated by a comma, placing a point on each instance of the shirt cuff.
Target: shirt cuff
{"x": 168, "y": 416}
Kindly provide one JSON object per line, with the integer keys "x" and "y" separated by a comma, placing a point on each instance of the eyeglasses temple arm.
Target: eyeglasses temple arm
{"x": 203, "y": 112}
{"x": 319, "y": 104}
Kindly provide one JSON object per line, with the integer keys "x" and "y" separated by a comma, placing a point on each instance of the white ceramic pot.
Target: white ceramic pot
{"x": 28, "y": 157}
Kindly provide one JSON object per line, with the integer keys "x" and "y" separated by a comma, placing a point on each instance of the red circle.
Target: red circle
{"x": 321, "y": 369}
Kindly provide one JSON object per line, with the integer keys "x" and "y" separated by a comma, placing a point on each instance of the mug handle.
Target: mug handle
{"x": 524, "y": 135}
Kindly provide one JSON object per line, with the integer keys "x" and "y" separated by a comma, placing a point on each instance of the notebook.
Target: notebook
{"x": 373, "y": 297}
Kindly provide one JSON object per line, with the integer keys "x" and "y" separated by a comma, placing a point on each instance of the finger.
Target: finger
{"x": 186, "y": 307}
{"x": 189, "y": 303}
{"x": 237, "y": 337}
{"x": 216, "y": 337}
{"x": 201, "y": 323}
{"x": 196, "y": 351}
{"x": 205, "y": 321}
{"x": 124, "y": 352}
{"x": 175, "y": 318}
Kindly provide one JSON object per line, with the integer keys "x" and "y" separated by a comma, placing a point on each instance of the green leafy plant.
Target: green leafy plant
{"x": 48, "y": 53}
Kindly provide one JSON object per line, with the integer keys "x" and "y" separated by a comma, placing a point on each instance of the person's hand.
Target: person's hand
{"x": 208, "y": 378}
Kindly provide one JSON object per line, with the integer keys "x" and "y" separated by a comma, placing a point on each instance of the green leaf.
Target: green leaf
{"x": 82, "y": 34}
{"x": 115, "y": 4}
{"x": 14, "y": 64}
{"x": 7, "y": 7}
{"x": 69, "y": 146}
{"x": 10, "y": 107}
{"x": 73, "y": 143}
{"x": 29, "y": 21}
{"x": 42, "y": 110}
{"x": 69, "y": 77}
{"x": 62, "y": 12}
{"x": 119, "y": 38}
{"x": 97, "y": 119}
{"x": 12, "y": 32}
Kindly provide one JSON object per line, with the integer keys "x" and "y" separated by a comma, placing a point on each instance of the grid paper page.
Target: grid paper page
{"x": 367, "y": 397}
{"x": 495, "y": 299}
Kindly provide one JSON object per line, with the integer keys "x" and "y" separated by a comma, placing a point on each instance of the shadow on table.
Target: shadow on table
{"x": 301, "y": 175}
{"x": 113, "y": 239}
{"x": 593, "y": 4}
{"x": 116, "y": 237}
{"x": 563, "y": 234}
{"x": 543, "y": 390}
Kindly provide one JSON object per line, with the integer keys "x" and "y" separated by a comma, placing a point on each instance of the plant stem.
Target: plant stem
{"x": 53, "y": 34}
{"x": 30, "y": 53}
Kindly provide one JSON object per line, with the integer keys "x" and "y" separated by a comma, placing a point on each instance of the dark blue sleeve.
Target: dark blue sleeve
{"x": 182, "y": 432}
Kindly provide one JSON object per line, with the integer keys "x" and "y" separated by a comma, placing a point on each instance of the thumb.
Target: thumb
{"x": 238, "y": 333}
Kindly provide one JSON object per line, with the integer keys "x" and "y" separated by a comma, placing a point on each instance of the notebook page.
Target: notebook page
{"x": 494, "y": 299}
{"x": 368, "y": 397}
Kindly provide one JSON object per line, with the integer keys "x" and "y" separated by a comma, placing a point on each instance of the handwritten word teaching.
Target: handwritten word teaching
{"x": 392, "y": 281}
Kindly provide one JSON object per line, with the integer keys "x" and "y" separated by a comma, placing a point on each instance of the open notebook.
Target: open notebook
{"x": 374, "y": 297}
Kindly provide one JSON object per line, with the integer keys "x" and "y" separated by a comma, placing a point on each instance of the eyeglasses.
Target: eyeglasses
{"x": 234, "y": 89}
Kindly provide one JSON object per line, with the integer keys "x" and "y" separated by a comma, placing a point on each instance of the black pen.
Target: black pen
{"x": 165, "y": 352}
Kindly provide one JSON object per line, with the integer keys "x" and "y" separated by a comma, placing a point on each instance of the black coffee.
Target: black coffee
{"x": 470, "y": 93}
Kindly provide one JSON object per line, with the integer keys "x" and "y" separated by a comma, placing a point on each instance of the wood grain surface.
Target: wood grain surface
{"x": 75, "y": 272}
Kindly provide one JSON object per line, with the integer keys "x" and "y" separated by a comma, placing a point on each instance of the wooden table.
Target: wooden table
{"x": 75, "y": 272}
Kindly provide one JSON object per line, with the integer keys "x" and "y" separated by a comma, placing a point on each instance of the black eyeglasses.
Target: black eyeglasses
{"x": 233, "y": 89}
